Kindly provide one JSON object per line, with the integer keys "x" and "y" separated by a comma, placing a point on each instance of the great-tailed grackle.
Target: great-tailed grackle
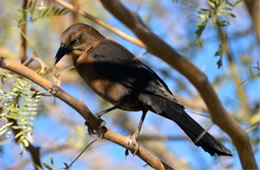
{"x": 117, "y": 76}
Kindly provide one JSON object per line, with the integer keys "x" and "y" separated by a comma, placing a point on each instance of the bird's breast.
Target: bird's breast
{"x": 111, "y": 91}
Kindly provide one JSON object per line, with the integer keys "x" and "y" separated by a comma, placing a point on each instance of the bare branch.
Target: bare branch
{"x": 22, "y": 50}
{"x": 195, "y": 104}
{"x": 240, "y": 90}
{"x": 253, "y": 7}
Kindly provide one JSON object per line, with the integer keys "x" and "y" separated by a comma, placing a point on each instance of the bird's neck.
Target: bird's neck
{"x": 84, "y": 51}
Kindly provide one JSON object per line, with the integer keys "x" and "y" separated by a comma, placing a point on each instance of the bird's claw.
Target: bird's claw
{"x": 99, "y": 114}
{"x": 91, "y": 130}
{"x": 133, "y": 144}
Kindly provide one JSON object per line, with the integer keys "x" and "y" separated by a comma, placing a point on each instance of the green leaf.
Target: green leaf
{"x": 204, "y": 12}
{"x": 223, "y": 14}
{"x": 63, "y": 11}
{"x": 219, "y": 53}
{"x": 232, "y": 15}
{"x": 51, "y": 159}
{"x": 225, "y": 8}
{"x": 47, "y": 166}
{"x": 230, "y": 4}
{"x": 19, "y": 134}
{"x": 4, "y": 128}
{"x": 238, "y": 2}
{"x": 25, "y": 142}
{"x": 212, "y": 4}
{"x": 219, "y": 63}
{"x": 204, "y": 9}
{"x": 222, "y": 23}
{"x": 199, "y": 31}
{"x": 202, "y": 24}
{"x": 16, "y": 127}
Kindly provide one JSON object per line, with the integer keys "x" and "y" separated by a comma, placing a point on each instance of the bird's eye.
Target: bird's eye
{"x": 76, "y": 41}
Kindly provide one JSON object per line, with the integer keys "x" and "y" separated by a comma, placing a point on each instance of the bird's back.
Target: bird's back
{"x": 114, "y": 62}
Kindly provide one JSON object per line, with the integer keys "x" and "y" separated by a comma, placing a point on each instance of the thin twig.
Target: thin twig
{"x": 38, "y": 60}
{"x": 83, "y": 95}
{"x": 70, "y": 165}
{"x": 203, "y": 133}
{"x": 22, "y": 51}
{"x": 257, "y": 125}
{"x": 197, "y": 113}
{"x": 232, "y": 67}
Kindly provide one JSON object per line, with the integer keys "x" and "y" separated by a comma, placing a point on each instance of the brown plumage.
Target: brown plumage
{"x": 117, "y": 76}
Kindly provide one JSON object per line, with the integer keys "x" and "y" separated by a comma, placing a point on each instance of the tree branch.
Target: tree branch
{"x": 253, "y": 7}
{"x": 159, "y": 48}
{"x": 82, "y": 109}
{"x": 100, "y": 22}
{"x": 157, "y": 147}
{"x": 22, "y": 50}
{"x": 237, "y": 81}
{"x": 34, "y": 151}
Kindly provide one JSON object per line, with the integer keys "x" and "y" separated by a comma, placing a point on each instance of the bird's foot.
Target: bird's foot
{"x": 99, "y": 114}
{"x": 91, "y": 130}
{"x": 133, "y": 144}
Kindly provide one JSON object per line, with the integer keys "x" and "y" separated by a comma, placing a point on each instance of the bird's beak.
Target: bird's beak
{"x": 63, "y": 50}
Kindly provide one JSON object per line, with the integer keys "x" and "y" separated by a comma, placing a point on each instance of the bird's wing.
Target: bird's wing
{"x": 114, "y": 62}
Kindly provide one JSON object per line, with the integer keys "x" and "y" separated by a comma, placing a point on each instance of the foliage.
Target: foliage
{"x": 51, "y": 166}
{"x": 219, "y": 53}
{"x": 218, "y": 8}
{"x": 17, "y": 115}
{"x": 37, "y": 12}
{"x": 253, "y": 74}
{"x": 218, "y": 14}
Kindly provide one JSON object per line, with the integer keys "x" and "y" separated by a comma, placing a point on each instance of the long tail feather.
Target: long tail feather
{"x": 194, "y": 130}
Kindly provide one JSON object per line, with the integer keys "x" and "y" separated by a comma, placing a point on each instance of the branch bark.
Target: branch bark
{"x": 231, "y": 64}
{"x": 253, "y": 7}
{"x": 22, "y": 50}
{"x": 159, "y": 48}
{"x": 82, "y": 109}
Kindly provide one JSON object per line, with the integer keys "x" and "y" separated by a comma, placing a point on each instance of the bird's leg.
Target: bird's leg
{"x": 132, "y": 141}
{"x": 99, "y": 114}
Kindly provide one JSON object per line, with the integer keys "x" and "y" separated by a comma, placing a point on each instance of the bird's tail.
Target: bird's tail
{"x": 176, "y": 113}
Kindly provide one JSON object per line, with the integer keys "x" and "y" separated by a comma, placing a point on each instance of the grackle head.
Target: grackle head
{"x": 77, "y": 39}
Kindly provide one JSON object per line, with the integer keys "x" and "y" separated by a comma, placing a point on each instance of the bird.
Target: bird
{"x": 120, "y": 78}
